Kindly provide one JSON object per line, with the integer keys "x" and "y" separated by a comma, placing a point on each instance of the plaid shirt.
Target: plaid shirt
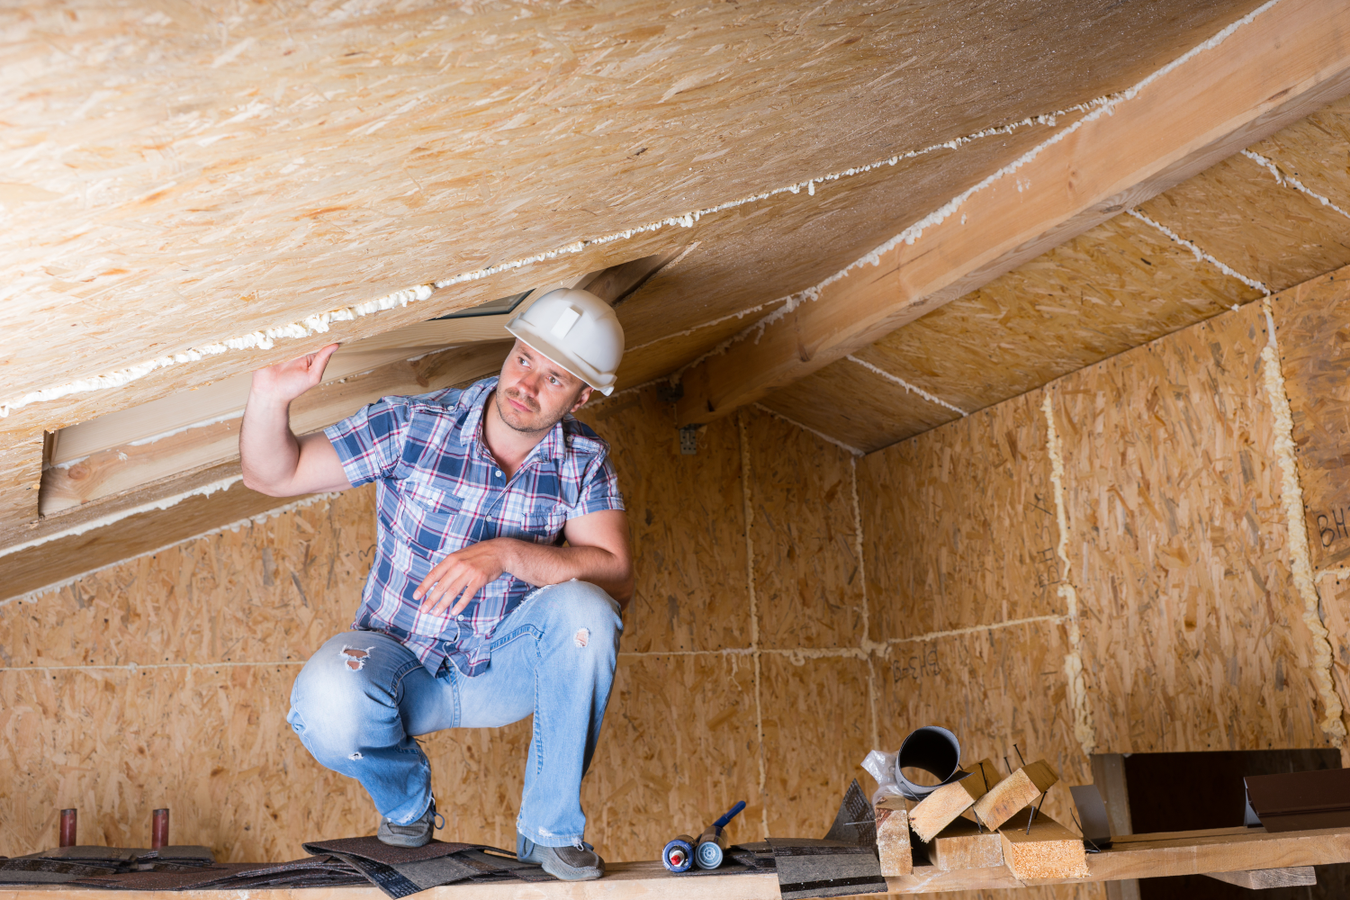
{"x": 440, "y": 490}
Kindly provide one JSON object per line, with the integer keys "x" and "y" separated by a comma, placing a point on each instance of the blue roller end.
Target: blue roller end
{"x": 678, "y": 856}
{"x": 709, "y": 855}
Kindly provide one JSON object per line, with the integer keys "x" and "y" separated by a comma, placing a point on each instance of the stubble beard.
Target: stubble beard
{"x": 504, "y": 412}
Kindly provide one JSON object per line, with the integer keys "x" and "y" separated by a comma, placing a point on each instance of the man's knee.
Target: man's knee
{"x": 583, "y": 613}
{"x": 332, "y": 692}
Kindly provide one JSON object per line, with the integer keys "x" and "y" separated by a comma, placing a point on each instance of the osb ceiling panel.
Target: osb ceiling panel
{"x": 177, "y": 175}
{"x": 1119, "y": 285}
{"x": 1239, "y": 214}
{"x": 1316, "y": 152}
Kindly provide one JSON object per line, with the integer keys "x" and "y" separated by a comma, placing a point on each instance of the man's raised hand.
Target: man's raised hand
{"x": 285, "y": 381}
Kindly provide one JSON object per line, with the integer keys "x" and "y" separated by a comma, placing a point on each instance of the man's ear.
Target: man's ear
{"x": 581, "y": 398}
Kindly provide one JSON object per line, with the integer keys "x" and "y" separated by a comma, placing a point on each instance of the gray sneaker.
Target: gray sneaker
{"x": 579, "y": 863}
{"x": 416, "y": 833}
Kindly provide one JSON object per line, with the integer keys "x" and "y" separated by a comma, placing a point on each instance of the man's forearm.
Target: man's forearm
{"x": 541, "y": 564}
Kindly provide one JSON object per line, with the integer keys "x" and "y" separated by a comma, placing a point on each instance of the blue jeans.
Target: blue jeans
{"x": 359, "y": 702}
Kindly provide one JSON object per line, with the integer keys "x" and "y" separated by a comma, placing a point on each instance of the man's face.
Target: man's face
{"x": 534, "y": 393}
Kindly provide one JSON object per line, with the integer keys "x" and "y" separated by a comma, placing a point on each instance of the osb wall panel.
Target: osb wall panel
{"x": 1193, "y": 637}
{"x": 808, "y": 584}
{"x": 680, "y": 745}
{"x": 993, "y": 688}
{"x": 687, "y": 520}
{"x": 1114, "y": 287}
{"x": 817, "y": 729}
{"x": 271, "y": 591}
{"x": 1312, "y": 322}
{"x": 959, "y": 525}
{"x": 1238, "y": 213}
{"x": 857, "y": 407}
{"x": 191, "y": 653}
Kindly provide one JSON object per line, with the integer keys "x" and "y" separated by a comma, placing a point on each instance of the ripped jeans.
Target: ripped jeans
{"x": 359, "y": 702}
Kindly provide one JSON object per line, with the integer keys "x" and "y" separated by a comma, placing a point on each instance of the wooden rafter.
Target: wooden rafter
{"x": 1281, "y": 65}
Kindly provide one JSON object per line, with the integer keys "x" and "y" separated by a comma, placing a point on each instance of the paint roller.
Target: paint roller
{"x": 712, "y": 843}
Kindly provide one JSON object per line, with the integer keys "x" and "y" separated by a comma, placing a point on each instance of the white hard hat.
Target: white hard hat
{"x": 578, "y": 331}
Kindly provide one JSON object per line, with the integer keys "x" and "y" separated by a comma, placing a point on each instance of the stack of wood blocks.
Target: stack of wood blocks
{"x": 983, "y": 821}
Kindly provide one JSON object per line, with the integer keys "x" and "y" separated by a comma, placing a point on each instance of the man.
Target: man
{"x": 473, "y": 614}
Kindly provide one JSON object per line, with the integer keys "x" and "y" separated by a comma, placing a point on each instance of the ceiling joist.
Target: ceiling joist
{"x": 1259, "y": 75}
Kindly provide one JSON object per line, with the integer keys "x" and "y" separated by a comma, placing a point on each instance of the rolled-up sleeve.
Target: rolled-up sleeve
{"x": 599, "y": 490}
{"x": 370, "y": 443}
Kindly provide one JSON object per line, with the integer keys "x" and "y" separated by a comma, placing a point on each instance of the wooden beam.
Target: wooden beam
{"x": 1261, "y": 879}
{"x": 1014, "y": 793}
{"x": 1108, "y": 773}
{"x": 893, "y": 847}
{"x": 965, "y": 845}
{"x": 1157, "y": 856}
{"x": 622, "y": 881}
{"x": 130, "y": 467}
{"x": 1035, "y": 846}
{"x": 20, "y": 474}
{"x": 1268, "y": 72}
{"x": 942, "y": 807}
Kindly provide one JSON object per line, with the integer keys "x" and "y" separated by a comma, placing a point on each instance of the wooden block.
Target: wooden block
{"x": 942, "y": 807}
{"x": 1048, "y": 850}
{"x": 1260, "y": 879}
{"x": 965, "y": 845}
{"x": 893, "y": 839}
{"x": 1014, "y": 793}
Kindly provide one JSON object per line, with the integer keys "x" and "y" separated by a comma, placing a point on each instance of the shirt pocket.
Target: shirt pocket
{"x": 429, "y": 522}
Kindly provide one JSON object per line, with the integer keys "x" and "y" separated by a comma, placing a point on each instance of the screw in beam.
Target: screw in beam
{"x": 68, "y": 817}
{"x": 159, "y": 829}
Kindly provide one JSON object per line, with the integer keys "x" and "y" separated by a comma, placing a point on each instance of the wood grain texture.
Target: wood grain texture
{"x": 128, "y": 467}
{"x": 1285, "y": 63}
{"x": 816, "y": 730}
{"x": 1039, "y": 848}
{"x": 808, "y": 584}
{"x": 959, "y": 525}
{"x": 1010, "y": 796}
{"x": 942, "y": 807}
{"x": 893, "y": 840}
{"x": 365, "y": 151}
{"x": 1115, "y": 287}
{"x": 857, "y": 407}
{"x": 1315, "y": 151}
{"x": 1192, "y": 630}
{"x": 965, "y": 845}
{"x": 1312, "y": 327}
{"x": 983, "y": 685}
{"x": 20, "y": 476}
{"x": 679, "y": 746}
{"x": 1239, "y": 214}
{"x": 1264, "y": 879}
{"x": 686, "y": 515}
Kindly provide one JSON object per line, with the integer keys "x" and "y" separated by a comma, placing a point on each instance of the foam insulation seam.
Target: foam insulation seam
{"x": 1084, "y": 728}
{"x": 913, "y": 389}
{"x": 748, "y": 500}
{"x": 320, "y": 323}
{"x": 1291, "y": 495}
{"x": 794, "y": 423}
{"x": 1285, "y": 180}
{"x": 1201, "y": 255}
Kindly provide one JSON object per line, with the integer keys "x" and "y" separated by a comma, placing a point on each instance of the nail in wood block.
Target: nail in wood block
{"x": 942, "y": 807}
{"x": 1260, "y": 879}
{"x": 964, "y": 845}
{"x": 893, "y": 837}
{"x": 1049, "y": 851}
{"x": 1014, "y": 793}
